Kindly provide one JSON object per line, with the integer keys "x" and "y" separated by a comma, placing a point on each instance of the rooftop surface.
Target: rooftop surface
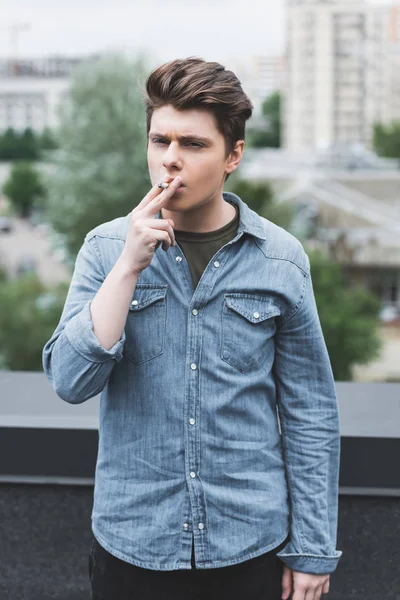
{"x": 46, "y": 537}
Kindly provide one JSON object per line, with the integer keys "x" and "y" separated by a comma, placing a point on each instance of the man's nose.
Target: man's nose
{"x": 172, "y": 157}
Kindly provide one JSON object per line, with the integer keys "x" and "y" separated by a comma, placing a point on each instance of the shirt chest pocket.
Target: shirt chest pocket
{"x": 248, "y": 326}
{"x": 146, "y": 323}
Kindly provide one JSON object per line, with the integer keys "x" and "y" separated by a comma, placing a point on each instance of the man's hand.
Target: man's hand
{"x": 306, "y": 586}
{"x": 145, "y": 232}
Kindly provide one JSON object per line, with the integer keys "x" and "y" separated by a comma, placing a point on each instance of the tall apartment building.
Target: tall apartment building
{"x": 394, "y": 24}
{"x": 392, "y": 68}
{"x": 335, "y": 85}
{"x": 31, "y": 90}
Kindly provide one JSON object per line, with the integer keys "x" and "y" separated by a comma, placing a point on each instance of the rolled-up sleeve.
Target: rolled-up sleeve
{"x": 75, "y": 362}
{"x": 309, "y": 420}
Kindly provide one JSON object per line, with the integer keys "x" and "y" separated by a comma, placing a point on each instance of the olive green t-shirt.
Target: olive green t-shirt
{"x": 199, "y": 248}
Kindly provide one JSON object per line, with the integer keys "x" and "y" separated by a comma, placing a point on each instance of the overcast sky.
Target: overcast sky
{"x": 167, "y": 29}
{"x": 213, "y": 29}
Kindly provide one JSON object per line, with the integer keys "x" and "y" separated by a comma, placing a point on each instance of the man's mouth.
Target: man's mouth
{"x": 171, "y": 179}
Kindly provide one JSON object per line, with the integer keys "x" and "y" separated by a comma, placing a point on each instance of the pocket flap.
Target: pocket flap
{"x": 253, "y": 308}
{"x": 146, "y": 294}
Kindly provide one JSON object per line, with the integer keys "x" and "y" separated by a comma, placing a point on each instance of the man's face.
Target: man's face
{"x": 187, "y": 143}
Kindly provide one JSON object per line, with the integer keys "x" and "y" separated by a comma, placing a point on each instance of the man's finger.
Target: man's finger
{"x": 153, "y": 193}
{"x": 154, "y": 205}
{"x": 325, "y": 589}
{"x": 286, "y": 582}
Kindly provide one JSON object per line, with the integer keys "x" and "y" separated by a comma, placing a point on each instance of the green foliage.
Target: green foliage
{"x": 24, "y": 188}
{"x": 271, "y": 109}
{"x": 29, "y": 313}
{"x": 47, "y": 140}
{"x": 29, "y": 145}
{"x": 101, "y": 168}
{"x": 26, "y": 145}
{"x": 9, "y": 145}
{"x": 271, "y": 135}
{"x": 386, "y": 139}
{"x": 260, "y": 198}
{"x": 259, "y": 138}
{"x": 3, "y": 274}
{"x": 348, "y": 315}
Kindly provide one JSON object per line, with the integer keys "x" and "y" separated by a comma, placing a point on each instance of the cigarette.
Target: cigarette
{"x": 163, "y": 185}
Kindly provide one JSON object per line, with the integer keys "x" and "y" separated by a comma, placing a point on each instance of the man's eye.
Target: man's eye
{"x": 159, "y": 141}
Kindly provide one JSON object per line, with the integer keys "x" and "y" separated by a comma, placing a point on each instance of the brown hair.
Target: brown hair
{"x": 195, "y": 83}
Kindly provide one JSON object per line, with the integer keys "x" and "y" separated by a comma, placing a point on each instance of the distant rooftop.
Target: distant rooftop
{"x": 47, "y": 66}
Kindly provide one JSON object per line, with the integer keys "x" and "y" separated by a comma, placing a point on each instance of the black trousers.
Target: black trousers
{"x": 259, "y": 578}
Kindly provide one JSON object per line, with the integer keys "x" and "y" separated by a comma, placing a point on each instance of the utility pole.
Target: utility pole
{"x": 15, "y": 30}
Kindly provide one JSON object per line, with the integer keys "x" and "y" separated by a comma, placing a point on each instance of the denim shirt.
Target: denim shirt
{"x": 218, "y": 410}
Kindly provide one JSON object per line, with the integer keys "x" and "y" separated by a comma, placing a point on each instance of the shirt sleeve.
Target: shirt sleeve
{"x": 309, "y": 420}
{"x": 75, "y": 362}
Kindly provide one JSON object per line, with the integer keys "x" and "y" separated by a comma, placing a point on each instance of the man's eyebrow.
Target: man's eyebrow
{"x": 183, "y": 138}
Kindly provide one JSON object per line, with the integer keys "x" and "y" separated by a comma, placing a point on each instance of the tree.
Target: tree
{"x": 271, "y": 135}
{"x": 29, "y": 313}
{"x": 386, "y": 139}
{"x": 101, "y": 166}
{"x": 348, "y": 315}
{"x": 19, "y": 146}
{"x": 29, "y": 145}
{"x": 9, "y": 145}
{"x": 47, "y": 140}
{"x": 259, "y": 197}
{"x": 24, "y": 187}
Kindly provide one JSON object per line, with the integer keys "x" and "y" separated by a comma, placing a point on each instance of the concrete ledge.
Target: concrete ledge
{"x": 46, "y": 440}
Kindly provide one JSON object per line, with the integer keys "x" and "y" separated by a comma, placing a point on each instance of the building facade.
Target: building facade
{"x": 31, "y": 90}
{"x": 267, "y": 77}
{"x": 336, "y": 83}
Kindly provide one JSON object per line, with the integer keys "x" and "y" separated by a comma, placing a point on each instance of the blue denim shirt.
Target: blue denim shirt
{"x": 218, "y": 411}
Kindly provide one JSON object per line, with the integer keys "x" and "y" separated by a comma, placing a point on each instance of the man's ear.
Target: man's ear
{"x": 235, "y": 157}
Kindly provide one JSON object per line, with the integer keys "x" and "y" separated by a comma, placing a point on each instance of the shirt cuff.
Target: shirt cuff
{"x": 80, "y": 334}
{"x": 311, "y": 563}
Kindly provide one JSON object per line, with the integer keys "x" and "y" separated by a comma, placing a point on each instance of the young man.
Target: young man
{"x": 218, "y": 462}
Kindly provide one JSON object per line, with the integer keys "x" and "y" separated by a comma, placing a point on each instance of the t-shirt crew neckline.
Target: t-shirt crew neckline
{"x": 196, "y": 236}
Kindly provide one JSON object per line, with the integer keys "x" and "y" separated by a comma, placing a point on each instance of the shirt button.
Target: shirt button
{"x": 201, "y": 525}
{"x": 192, "y": 421}
{"x": 134, "y": 302}
{"x": 192, "y": 474}
{"x": 185, "y": 526}
{"x": 194, "y": 311}
{"x": 193, "y": 366}
{"x": 178, "y": 259}
{"x": 216, "y": 264}
{"x": 256, "y": 315}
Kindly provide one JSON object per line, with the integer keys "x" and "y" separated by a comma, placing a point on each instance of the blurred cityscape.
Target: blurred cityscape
{"x": 338, "y": 84}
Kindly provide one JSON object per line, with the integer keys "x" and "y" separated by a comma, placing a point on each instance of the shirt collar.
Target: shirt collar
{"x": 249, "y": 221}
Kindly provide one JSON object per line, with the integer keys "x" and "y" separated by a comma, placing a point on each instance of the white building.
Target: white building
{"x": 260, "y": 77}
{"x": 336, "y": 84}
{"x": 394, "y": 23}
{"x": 267, "y": 77}
{"x": 31, "y": 90}
{"x": 391, "y": 65}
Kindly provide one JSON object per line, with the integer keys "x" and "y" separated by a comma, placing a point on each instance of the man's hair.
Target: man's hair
{"x": 195, "y": 83}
